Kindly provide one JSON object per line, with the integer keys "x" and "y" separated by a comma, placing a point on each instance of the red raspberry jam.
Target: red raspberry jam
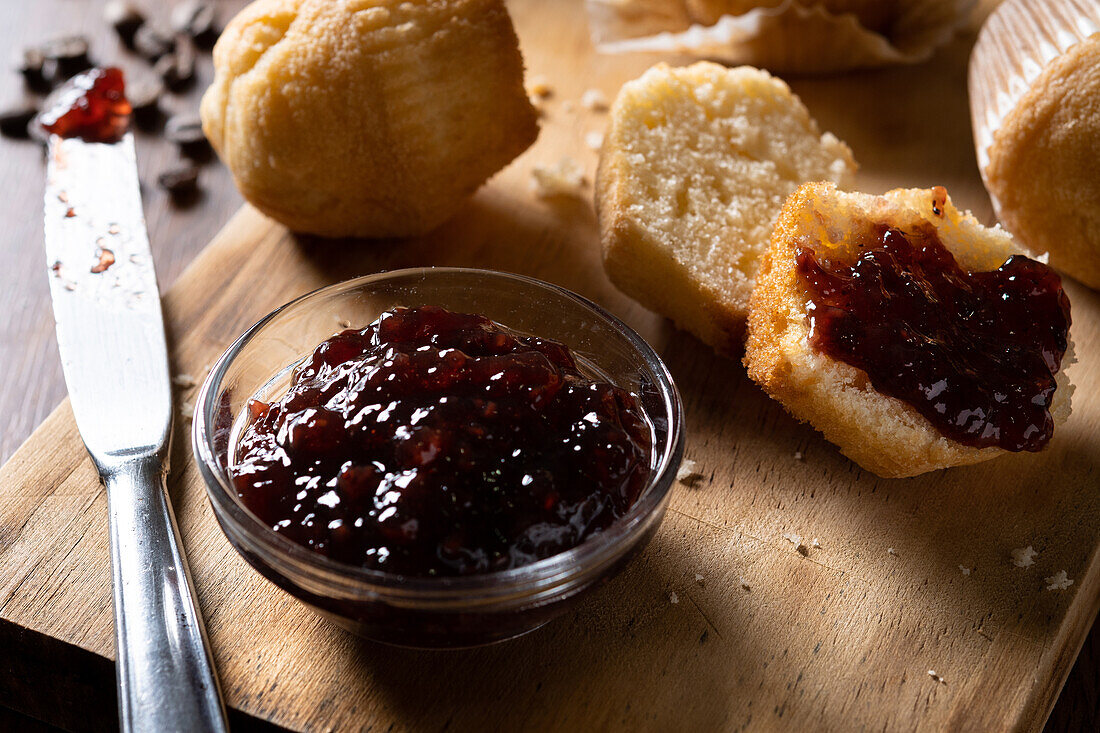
{"x": 433, "y": 443}
{"x": 974, "y": 352}
{"x": 92, "y": 106}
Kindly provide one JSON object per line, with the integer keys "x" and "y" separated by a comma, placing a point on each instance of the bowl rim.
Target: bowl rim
{"x": 594, "y": 551}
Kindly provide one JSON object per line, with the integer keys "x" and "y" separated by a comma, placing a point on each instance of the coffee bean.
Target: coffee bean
{"x": 185, "y": 55}
{"x": 180, "y": 183}
{"x": 177, "y": 69}
{"x": 31, "y": 66}
{"x": 125, "y": 18}
{"x": 184, "y": 129}
{"x": 167, "y": 70}
{"x": 152, "y": 42}
{"x": 69, "y": 53}
{"x": 144, "y": 92}
{"x": 196, "y": 19}
{"x": 65, "y": 47}
{"x": 14, "y": 120}
{"x": 186, "y": 132}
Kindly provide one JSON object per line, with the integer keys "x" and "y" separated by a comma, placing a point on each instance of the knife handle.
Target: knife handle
{"x": 166, "y": 679}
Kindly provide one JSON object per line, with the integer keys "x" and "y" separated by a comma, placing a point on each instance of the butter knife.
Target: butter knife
{"x": 110, "y": 332}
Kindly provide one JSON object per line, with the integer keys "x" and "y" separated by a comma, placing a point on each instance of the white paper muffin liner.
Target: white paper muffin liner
{"x": 790, "y": 37}
{"x": 1016, "y": 43}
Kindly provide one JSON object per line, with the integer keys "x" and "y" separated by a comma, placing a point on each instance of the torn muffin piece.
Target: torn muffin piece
{"x": 910, "y": 335}
{"x": 695, "y": 165}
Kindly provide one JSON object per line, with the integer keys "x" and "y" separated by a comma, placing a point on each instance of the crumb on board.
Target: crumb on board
{"x": 1059, "y": 581}
{"x": 891, "y": 551}
{"x": 539, "y": 86}
{"x": 343, "y": 323}
{"x": 688, "y": 471}
{"x": 1022, "y": 557}
{"x": 799, "y": 546}
{"x": 673, "y": 598}
{"x": 1044, "y": 258}
{"x": 798, "y": 455}
{"x": 965, "y": 570}
{"x": 744, "y": 583}
{"x": 594, "y": 100}
{"x": 187, "y": 410}
{"x": 184, "y": 381}
{"x": 934, "y": 675}
{"x": 815, "y": 543}
{"x": 594, "y": 140}
{"x": 564, "y": 178}
{"x": 699, "y": 579}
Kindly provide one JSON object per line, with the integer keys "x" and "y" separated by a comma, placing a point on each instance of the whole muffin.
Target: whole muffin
{"x": 1035, "y": 103}
{"x": 367, "y": 118}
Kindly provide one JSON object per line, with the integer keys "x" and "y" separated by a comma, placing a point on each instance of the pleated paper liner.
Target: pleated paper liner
{"x": 1015, "y": 45}
{"x": 1034, "y": 78}
{"x": 781, "y": 35}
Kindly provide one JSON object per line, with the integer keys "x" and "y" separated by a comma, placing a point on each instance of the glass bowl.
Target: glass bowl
{"x": 435, "y": 612}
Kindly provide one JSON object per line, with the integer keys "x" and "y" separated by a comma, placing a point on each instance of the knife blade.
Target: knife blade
{"x": 105, "y": 300}
{"x": 110, "y": 333}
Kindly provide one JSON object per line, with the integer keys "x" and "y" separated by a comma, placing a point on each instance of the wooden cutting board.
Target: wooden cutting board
{"x": 720, "y": 623}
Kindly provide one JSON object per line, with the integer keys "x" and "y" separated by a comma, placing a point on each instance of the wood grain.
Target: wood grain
{"x": 28, "y": 350}
{"x": 841, "y": 639}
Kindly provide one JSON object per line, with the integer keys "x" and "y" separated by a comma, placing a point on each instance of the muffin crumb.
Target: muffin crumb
{"x": 1058, "y": 581}
{"x": 564, "y": 178}
{"x": 1023, "y": 557}
{"x": 594, "y": 100}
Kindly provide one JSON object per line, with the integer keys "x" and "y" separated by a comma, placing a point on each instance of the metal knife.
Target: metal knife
{"x": 110, "y": 332}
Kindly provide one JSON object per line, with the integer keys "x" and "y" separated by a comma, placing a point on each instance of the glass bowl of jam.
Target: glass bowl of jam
{"x": 439, "y": 457}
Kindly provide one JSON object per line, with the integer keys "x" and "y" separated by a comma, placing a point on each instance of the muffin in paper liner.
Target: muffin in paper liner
{"x": 796, "y": 36}
{"x": 1035, "y": 106}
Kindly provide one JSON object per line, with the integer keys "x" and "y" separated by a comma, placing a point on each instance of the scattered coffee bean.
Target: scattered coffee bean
{"x": 180, "y": 183}
{"x": 185, "y": 52}
{"x": 65, "y": 47}
{"x": 177, "y": 69}
{"x": 144, "y": 92}
{"x": 31, "y": 67}
{"x": 196, "y": 19}
{"x": 69, "y": 53}
{"x": 14, "y": 120}
{"x": 165, "y": 68}
{"x": 125, "y": 18}
{"x": 186, "y": 132}
{"x": 152, "y": 42}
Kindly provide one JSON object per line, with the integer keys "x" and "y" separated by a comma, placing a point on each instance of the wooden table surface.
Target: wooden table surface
{"x": 28, "y": 354}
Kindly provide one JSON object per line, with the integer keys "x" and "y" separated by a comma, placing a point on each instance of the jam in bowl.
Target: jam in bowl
{"x": 439, "y": 457}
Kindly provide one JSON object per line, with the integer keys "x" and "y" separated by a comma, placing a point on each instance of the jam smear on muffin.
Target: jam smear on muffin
{"x": 91, "y": 106}
{"x": 976, "y": 353}
{"x": 434, "y": 443}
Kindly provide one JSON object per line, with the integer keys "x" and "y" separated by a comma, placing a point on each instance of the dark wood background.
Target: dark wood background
{"x": 31, "y": 383}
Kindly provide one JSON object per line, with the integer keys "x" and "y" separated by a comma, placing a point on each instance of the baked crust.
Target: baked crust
{"x": 695, "y": 165}
{"x": 1042, "y": 164}
{"x": 882, "y": 434}
{"x": 369, "y": 119}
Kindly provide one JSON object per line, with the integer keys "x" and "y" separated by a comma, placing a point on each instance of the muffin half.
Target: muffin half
{"x": 908, "y": 333}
